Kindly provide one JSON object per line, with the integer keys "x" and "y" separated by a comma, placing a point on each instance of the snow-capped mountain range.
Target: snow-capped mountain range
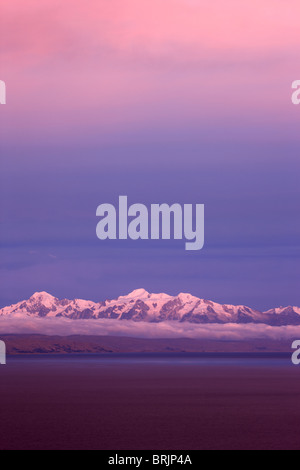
{"x": 141, "y": 306}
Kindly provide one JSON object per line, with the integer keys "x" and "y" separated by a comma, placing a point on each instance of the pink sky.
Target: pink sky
{"x": 99, "y": 67}
{"x": 164, "y": 101}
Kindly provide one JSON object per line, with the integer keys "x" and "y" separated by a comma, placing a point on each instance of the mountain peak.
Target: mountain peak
{"x": 140, "y": 293}
{"x": 43, "y": 298}
{"x": 42, "y": 294}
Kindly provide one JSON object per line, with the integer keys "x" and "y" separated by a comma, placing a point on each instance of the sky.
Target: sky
{"x": 185, "y": 101}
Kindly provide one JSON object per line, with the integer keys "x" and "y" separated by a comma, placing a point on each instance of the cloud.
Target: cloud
{"x": 103, "y": 327}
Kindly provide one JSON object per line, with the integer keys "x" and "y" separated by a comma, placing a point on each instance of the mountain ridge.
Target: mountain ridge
{"x": 142, "y": 306}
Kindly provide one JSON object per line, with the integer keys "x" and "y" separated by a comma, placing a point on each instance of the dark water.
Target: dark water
{"x": 153, "y": 402}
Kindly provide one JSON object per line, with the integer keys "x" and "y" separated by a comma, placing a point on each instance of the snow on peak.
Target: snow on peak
{"x": 41, "y": 295}
{"x": 43, "y": 298}
{"x": 187, "y": 297}
{"x": 138, "y": 293}
{"x": 145, "y": 296}
{"x": 280, "y": 310}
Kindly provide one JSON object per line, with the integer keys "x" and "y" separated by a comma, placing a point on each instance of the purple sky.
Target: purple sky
{"x": 176, "y": 113}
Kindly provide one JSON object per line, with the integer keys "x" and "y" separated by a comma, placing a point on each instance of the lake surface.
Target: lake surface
{"x": 149, "y": 401}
